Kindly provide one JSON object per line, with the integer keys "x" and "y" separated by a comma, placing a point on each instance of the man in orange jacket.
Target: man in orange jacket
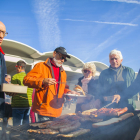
{"x": 49, "y": 79}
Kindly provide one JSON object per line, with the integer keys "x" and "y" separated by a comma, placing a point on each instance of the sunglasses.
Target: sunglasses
{"x": 62, "y": 57}
{"x": 17, "y": 66}
{"x": 87, "y": 71}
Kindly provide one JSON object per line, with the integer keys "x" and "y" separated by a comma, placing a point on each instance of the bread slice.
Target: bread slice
{"x": 79, "y": 89}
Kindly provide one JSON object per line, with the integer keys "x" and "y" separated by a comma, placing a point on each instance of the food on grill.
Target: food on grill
{"x": 105, "y": 123}
{"x": 41, "y": 125}
{"x": 90, "y": 118}
{"x": 63, "y": 125}
{"x": 79, "y": 89}
{"x": 34, "y": 124}
{"x": 121, "y": 111}
{"x": 74, "y": 117}
{"x": 68, "y": 116}
{"x": 75, "y": 133}
{"x": 71, "y": 114}
{"x": 43, "y": 131}
{"x": 60, "y": 123}
{"x": 70, "y": 122}
{"x": 110, "y": 111}
{"x": 88, "y": 111}
{"x": 70, "y": 127}
{"x": 125, "y": 116}
{"x": 64, "y": 116}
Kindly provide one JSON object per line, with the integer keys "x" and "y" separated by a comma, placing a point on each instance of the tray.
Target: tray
{"x": 11, "y": 88}
{"x": 75, "y": 95}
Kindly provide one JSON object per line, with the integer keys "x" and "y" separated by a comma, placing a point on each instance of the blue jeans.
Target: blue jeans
{"x": 20, "y": 116}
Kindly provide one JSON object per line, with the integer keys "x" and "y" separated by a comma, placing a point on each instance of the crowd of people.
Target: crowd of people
{"x": 47, "y": 86}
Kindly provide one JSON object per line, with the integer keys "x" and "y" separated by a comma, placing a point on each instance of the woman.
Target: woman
{"x": 89, "y": 85}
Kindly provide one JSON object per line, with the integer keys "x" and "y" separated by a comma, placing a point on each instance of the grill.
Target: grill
{"x": 124, "y": 130}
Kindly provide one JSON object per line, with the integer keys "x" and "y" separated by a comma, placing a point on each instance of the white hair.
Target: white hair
{"x": 116, "y": 52}
{"x": 89, "y": 66}
{"x": 6, "y": 75}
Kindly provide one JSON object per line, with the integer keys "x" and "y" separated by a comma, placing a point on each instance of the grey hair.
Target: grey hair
{"x": 117, "y": 53}
{"x": 89, "y": 66}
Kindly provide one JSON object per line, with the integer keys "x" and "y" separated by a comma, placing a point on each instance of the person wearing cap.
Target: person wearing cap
{"x": 49, "y": 80}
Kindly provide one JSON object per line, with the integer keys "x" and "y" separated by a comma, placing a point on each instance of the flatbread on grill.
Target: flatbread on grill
{"x": 105, "y": 123}
{"x": 41, "y": 125}
{"x": 44, "y": 131}
{"x": 127, "y": 115}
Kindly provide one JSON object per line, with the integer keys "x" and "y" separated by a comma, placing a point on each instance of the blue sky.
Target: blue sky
{"x": 88, "y": 29}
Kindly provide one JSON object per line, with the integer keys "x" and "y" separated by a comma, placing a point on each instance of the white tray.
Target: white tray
{"x": 75, "y": 95}
{"x": 14, "y": 88}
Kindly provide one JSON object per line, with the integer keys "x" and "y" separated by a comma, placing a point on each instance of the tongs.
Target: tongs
{"x": 107, "y": 105}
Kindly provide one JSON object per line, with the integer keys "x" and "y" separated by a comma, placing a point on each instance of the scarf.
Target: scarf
{"x": 85, "y": 82}
{"x": 2, "y": 51}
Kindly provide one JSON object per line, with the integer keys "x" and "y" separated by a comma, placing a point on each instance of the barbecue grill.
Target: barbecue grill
{"x": 124, "y": 130}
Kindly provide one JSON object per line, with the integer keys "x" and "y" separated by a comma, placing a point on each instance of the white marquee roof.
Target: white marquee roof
{"x": 15, "y": 51}
{"x": 23, "y": 50}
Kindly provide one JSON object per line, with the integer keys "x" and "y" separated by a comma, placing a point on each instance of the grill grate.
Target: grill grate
{"x": 107, "y": 132}
{"x": 26, "y": 135}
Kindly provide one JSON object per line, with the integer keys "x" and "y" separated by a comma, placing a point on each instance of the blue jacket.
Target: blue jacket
{"x": 3, "y": 72}
{"x": 112, "y": 82}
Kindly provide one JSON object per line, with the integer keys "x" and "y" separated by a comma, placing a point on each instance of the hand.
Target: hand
{"x": 116, "y": 98}
{"x": 10, "y": 94}
{"x": 49, "y": 81}
{"x": 97, "y": 103}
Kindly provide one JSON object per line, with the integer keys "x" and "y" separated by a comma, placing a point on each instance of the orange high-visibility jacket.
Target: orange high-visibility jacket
{"x": 47, "y": 102}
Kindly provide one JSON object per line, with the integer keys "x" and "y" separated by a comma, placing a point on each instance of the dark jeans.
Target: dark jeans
{"x": 45, "y": 118}
{"x": 2, "y": 110}
{"x": 8, "y": 110}
{"x": 20, "y": 116}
